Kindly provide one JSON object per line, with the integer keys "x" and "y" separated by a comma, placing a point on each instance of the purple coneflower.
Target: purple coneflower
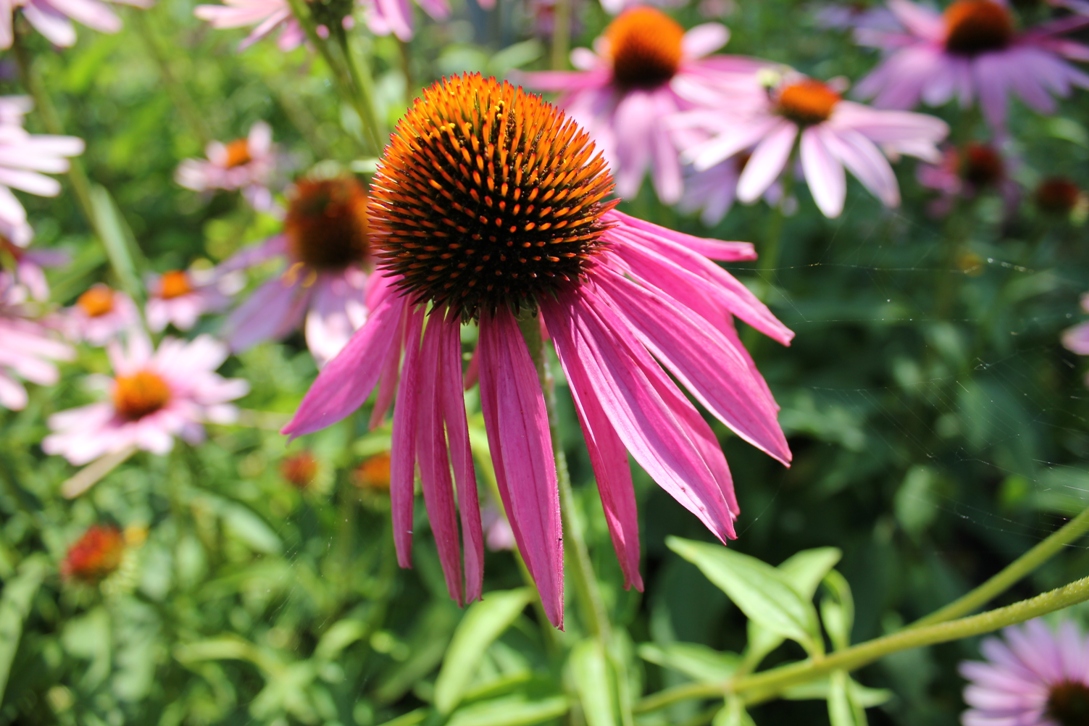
{"x": 1031, "y": 677}
{"x": 972, "y": 51}
{"x": 155, "y": 396}
{"x": 835, "y": 134}
{"x": 53, "y": 18}
{"x": 491, "y": 207}
{"x": 643, "y": 70}
{"x": 23, "y": 158}
{"x": 28, "y": 350}
{"x": 327, "y": 279}
{"x": 964, "y": 173}
{"x": 180, "y": 297}
{"x": 245, "y": 164}
{"x": 100, "y": 315}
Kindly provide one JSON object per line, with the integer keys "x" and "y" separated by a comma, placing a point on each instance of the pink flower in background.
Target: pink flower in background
{"x": 644, "y": 69}
{"x": 974, "y": 52}
{"x": 23, "y": 158}
{"x": 154, "y": 396}
{"x": 28, "y": 350}
{"x": 835, "y": 134}
{"x": 100, "y": 315}
{"x": 852, "y": 15}
{"x": 623, "y": 301}
{"x": 713, "y": 191}
{"x": 245, "y": 164}
{"x": 180, "y": 297}
{"x": 52, "y": 18}
{"x": 1031, "y": 677}
{"x": 1076, "y": 339}
{"x": 327, "y": 278}
{"x": 267, "y": 15}
{"x": 964, "y": 173}
{"x": 394, "y": 17}
{"x": 616, "y": 6}
{"x": 28, "y": 264}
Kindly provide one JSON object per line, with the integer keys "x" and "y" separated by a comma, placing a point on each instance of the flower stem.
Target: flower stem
{"x": 768, "y": 684}
{"x": 360, "y": 74}
{"x": 577, "y": 554}
{"x": 1013, "y": 573}
{"x": 561, "y": 34}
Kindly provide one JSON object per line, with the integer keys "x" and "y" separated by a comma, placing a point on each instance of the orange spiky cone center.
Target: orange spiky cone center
{"x": 326, "y": 224}
{"x": 174, "y": 284}
{"x": 487, "y": 197}
{"x": 95, "y": 556}
{"x": 140, "y": 394}
{"x": 807, "y": 102}
{"x": 645, "y": 46}
{"x": 97, "y": 301}
{"x": 977, "y": 26}
{"x": 1068, "y": 703}
{"x": 238, "y": 153}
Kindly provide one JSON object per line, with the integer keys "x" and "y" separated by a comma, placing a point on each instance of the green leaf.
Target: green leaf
{"x": 484, "y": 621}
{"x": 842, "y": 707}
{"x": 733, "y": 714}
{"x": 590, "y": 671}
{"x": 338, "y": 637}
{"x": 412, "y": 718}
{"x": 819, "y": 690}
{"x": 761, "y": 591}
{"x": 15, "y": 603}
{"x": 695, "y": 661}
{"x": 514, "y": 711}
{"x": 838, "y": 610}
{"x": 121, "y": 248}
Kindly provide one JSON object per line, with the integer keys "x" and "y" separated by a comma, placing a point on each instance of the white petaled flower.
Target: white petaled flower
{"x": 243, "y": 164}
{"x": 28, "y": 347}
{"x": 100, "y": 315}
{"x": 180, "y": 297}
{"x": 53, "y": 18}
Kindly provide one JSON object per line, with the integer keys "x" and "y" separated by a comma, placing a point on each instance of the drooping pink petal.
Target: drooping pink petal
{"x": 402, "y": 474}
{"x": 521, "y": 446}
{"x": 711, "y": 248}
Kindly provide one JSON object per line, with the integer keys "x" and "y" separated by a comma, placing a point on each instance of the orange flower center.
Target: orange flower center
{"x": 174, "y": 284}
{"x": 238, "y": 153}
{"x": 487, "y": 197}
{"x": 981, "y": 165}
{"x": 299, "y": 469}
{"x": 645, "y": 47}
{"x": 807, "y": 102}
{"x": 373, "y": 473}
{"x": 326, "y": 223}
{"x": 1068, "y": 703}
{"x": 95, "y": 555}
{"x": 977, "y": 26}
{"x": 97, "y": 301}
{"x": 141, "y": 394}
{"x": 1058, "y": 195}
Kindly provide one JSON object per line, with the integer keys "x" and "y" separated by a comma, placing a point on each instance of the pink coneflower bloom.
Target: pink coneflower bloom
{"x": 180, "y": 297}
{"x": 24, "y": 156}
{"x": 852, "y": 15}
{"x": 490, "y": 207}
{"x": 644, "y": 69}
{"x": 29, "y": 348}
{"x": 52, "y": 18}
{"x": 966, "y": 172}
{"x": 972, "y": 51}
{"x": 245, "y": 164}
{"x": 1031, "y": 677}
{"x": 100, "y": 315}
{"x": 155, "y": 396}
{"x": 267, "y": 15}
{"x": 712, "y": 192}
{"x": 327, "y": 279}
{"x": 614, "y": 7}
{"x": 835, "y": 134}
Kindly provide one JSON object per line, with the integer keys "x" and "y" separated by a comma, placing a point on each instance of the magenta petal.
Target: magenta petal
{"x": 609, "y": 459}
{"x": 521, "y": 446}
{"x": 457, "y": 433}
{"x": 387, "y": 382}
{"x": 402, "y": 474}
{"x": 711, "y": 248}
{"x": 702, "y": 360}
{"x": 661, "y": 429}
{"x": 438, "y": 489}
{"x": 343, "y": 385}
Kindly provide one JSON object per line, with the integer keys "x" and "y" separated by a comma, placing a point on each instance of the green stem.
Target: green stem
{"x": 561, "y": 34}
{"x": 768, "y": 684}
{"x": 360, "y": 74}
{"x": 177, "y": 90}
{"x": 577, "y": 554}
{"x": 1013, "y": 573}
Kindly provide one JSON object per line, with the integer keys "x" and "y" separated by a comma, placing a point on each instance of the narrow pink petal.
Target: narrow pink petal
{"x": 660, "y": 428}
{"x": 343, "y": 385}
{"x": 402, "y": 474}
{"x": 609, "y": 459}
{"x": 702, "y": 360}
{"x": 862, "y": 157}
{"x": 766, "y": 163}
{"x": 438, "y": 489}
{"x": 457, "y": 433}
{"x": 710, "y": 248}
{"x": 823, "y": 173}
{"x": 390, "y": 375}
{"x": 521, "y": 445}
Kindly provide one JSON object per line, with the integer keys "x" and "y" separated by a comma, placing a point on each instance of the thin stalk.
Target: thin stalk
{"x": 177, "y": 90}
{"x": 1012, "y": 574}
{"x": 773, "y": 242}
{"x": 768, "y": 684}
{"x": 359, "y": 72}
{"x": 577, "y": 554}
{"x": 561, "y": 34}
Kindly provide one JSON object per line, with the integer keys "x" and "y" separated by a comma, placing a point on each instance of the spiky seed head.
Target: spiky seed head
{"x": 326, "y": 223}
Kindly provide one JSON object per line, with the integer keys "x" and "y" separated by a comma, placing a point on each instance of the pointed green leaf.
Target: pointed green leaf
{"x": 818, "y": 690}
{"x": 590, "y": 672}
{"x": 758, "y": 589}
{"x": 484, "y": 621}
{"x": 693, "y": 660}
{"x": 14, "y": 608}
{"x": 803, "y": 571}
{"x": 514, "y": 711}
{"x": 843, "y": 709}
{"x": 838, "y": 610}
{"x": 733, "y": 714}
